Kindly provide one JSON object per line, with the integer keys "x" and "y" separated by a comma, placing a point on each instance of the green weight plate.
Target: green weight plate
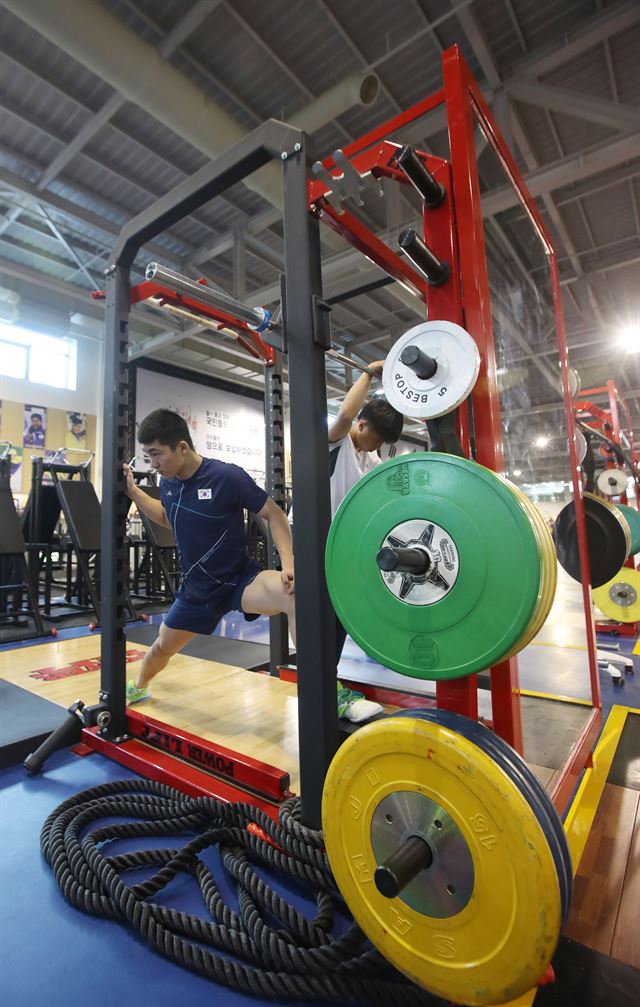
{"x": 482, "y": 587}
{"x": 633, "y": 520}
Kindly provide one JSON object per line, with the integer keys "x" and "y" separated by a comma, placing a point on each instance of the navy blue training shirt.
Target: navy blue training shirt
{"x": 206, "y": 514}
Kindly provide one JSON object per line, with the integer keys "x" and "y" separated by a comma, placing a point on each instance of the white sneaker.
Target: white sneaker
{"x": 361, "y": 709}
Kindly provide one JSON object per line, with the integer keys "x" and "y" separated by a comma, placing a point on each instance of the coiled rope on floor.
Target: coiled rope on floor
{"x": 301, "y": 960}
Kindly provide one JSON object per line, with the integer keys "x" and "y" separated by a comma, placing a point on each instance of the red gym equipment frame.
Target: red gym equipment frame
{"x": 464, "y": 105}
{"x": 460, "y": 242}
{"x": 607, "y": 422}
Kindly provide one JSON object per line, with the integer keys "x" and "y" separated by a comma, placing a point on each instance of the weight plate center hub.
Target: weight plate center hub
{"x": 443, "y": 562}
{"x": 444, "y": 888}
{"x": 623, "y": 594}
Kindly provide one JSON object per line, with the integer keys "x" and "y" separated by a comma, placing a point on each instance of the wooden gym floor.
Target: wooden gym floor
{"x": 257, "y": 715}
{"x": 605, "y": 913}
{"x": 251, "y": 713}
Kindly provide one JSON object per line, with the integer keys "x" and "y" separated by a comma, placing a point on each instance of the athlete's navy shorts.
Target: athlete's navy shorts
{"x": 198, "y": 616}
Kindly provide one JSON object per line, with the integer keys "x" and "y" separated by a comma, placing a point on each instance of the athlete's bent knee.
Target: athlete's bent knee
{"x": 288, "y": 603}
{"x": 163, "y": 651}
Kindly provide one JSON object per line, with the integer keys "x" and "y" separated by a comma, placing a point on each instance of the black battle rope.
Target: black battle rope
{"x": 303, "y": 960}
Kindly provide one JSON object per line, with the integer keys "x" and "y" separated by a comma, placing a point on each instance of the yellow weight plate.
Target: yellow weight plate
{"x": 619, "y": 598}
{"x": 478, "y": 926}
{"x": 548, "y": 573}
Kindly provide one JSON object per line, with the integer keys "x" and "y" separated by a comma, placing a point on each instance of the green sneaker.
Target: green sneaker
{"x": 354, "y": 707}
{"x": 345, "y": 697}
{"x": 136, "y": 695}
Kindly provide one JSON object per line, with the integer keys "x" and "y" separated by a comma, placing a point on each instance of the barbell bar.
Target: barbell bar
{"x": 349, "y": 362}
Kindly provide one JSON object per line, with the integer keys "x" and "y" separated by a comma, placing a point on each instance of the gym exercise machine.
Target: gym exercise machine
{"x": 154, "y": 572}
{"x": 500, "y": 824}
{"x": 72, "y": 494}
{"x": 18, "y": 598}
{"x": 613, "y": 530}
{"x": 307, "y": 204}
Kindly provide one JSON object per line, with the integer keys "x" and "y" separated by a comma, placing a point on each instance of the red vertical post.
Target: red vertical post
{"x": 581, "y": 525}
{"x": 613, "y": 409}
{"x": 477, "y": 320}
{"x": 444, "y": 303}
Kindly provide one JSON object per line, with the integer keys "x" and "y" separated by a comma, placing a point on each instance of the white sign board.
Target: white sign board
{"x": 222, "y": 425}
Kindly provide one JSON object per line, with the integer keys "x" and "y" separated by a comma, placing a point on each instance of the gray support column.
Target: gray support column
{"x": 317, "y": 707}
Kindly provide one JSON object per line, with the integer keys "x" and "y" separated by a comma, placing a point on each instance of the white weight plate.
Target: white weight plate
{"x": 581, "y": 445}
{"x": 612, "y": 482}
{"x": 575, "y": 384}
{"x": 458, "y": 360}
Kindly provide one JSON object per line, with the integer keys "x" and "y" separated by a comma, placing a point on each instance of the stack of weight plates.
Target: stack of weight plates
{"x": 548, "y": 569}
{"x": 632, "y": 517}
{"x": 508, "y": 760}
{"x": 491, "y": 576}
{"x": 608, "y": 539}
{"x": 478, "y": 921}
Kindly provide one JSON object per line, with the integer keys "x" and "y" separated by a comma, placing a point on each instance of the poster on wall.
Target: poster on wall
{"x": 76, "y": 431}
{"x": 222, "y": 424}
{"x": 16, "y": 470}
{"x": 35, "y": 426}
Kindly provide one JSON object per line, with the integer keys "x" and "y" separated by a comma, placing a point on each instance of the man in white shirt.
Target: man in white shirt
{"x": 356, "y": 435}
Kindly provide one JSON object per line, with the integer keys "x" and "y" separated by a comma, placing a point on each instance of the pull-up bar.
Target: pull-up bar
{"x": 257, "y": 318}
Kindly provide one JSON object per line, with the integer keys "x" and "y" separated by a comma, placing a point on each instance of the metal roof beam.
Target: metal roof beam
{"x": 480, "y": 46}
{"x": 557, "y": 99}
{"x": 69, "y": 249}
{"x": 591, "y": 32}
{"x": 146, "y": 346}
{"x": 259, "y": 223}
{"x": 76, "y": 212}
{"x": 564, "y": 172}
{"x": 489, "y": 67}
{"x": 144, "y": 188}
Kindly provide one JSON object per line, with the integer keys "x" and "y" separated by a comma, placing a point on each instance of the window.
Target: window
{"x": 46, "y": 360}
{"x": 13, "y": 360}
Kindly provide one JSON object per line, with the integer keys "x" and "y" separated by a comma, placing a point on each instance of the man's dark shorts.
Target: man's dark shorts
{"x": 198, "y": 616}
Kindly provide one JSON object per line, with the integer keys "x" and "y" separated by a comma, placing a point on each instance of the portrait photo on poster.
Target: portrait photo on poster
{"x": 35, "y": 426}
{"x": 76, "y": 431}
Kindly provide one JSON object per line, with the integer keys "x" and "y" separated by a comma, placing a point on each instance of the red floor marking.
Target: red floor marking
{"x": 80, "y": 667}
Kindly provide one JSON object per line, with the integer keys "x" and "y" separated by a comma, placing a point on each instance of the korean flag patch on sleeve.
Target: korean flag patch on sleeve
{"x": 204, "y": 494}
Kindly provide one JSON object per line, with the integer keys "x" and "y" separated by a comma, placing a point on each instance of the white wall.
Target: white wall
{"x": 241, "y": 440}
{"x": 84, "y": 399}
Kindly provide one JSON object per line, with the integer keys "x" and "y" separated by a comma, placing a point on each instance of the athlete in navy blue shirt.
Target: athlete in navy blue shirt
{"x": 203, "y": 500}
